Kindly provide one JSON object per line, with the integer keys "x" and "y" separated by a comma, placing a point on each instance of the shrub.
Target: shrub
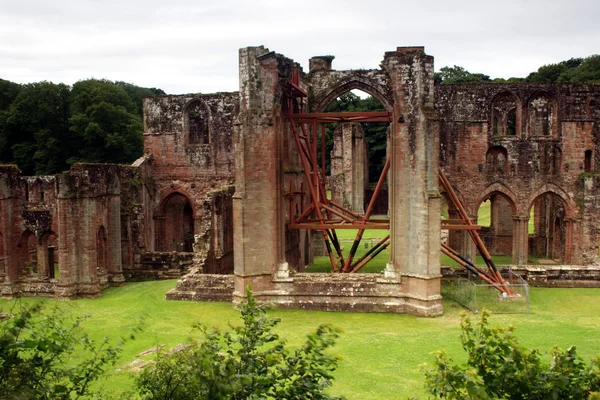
{"x": 498, "y": 367}
{"x": 49, "y": 356}
{"x": 247, "y": 362}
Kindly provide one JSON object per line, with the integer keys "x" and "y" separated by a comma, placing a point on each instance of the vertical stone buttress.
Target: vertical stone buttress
{"x": 259, "y": 247}
{"x": 88, "y": 199}
{"x": 414, "y": 193}
{"x": 10, "y": 212}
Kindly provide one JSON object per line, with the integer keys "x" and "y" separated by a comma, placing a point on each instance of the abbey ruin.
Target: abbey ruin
{"x": 210, "y": 201}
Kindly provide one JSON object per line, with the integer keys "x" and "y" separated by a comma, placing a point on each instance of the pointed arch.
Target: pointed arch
{"x": 351, "y": 84}
{"x": 542, "y": 113}
{"x": 505, "y": 115}
{"x": 174, "y": 225}
{"x": 197, "y": 123}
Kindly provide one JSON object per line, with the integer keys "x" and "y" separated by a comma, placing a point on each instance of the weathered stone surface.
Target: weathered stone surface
{"x": 208, "y": 198}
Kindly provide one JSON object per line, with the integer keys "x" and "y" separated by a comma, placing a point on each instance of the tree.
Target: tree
{"x": 588, "y": 71}
{"x": 105, "y": 120}
{"x": 456, "y": 75}
{"x": 36, "y": 134}
{"x": 551, "y": 72}
{"x": 137, "y": 94}
{"x": 248, "y": 362}
{"x": 498, "y": 367}
{"x": 8, "y": 92}
{"x": 47, "y": 356}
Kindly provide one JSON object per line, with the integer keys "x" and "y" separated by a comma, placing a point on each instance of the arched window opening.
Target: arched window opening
{"x": 197, "y": 123}
{"x": 497, "y": 160}
{"x": 587, "y": 163}
{"x": 540, "y": 111}
{"x": 356, "y": 153}
{"x": 42, "y": 194}
{"x": 175, "y": 227}
{"x": 547, "y": 234}
{"x": 495, "y": 215}
{"x": 504, "y": 115}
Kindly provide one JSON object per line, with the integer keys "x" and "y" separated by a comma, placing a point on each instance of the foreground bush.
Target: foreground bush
{"x": 247, "y": 362}
{"x": 48, "y": 355}
{"x": 498, "y": 367}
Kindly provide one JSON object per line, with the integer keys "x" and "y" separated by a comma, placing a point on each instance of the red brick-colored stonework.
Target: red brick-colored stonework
{"x": 210, "y": 197}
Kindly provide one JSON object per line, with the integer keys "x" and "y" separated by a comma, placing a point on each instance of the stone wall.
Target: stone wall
{"x": 529, "y": 145}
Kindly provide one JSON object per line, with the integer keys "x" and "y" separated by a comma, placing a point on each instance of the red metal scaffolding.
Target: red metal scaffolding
{"x": 325, "y": 215}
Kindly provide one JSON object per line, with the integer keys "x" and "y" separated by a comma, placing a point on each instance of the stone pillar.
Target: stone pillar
{"x": 115, "y": 268}
{"x": 10, "y": 219}
{"x": 42, "y": 260}
{"x": 359, "y": 169}
{"x": 569, "y": 243}
{"x": 348, "y": 167}
{"x": 258, "y": 202}
{"x": 521, "y": 239}
{"x": 414, "y": 193}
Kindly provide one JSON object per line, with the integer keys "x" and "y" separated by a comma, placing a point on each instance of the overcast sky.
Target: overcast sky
{"x": 184, "y": 46}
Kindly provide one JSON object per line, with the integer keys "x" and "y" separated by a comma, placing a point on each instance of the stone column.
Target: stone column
{"x": 520, "y": 239}
{"x": 569, "y": 243}
{"x": 258, "y": 202}
{"x": 414, "y": 193}
{"x": 115, "y": 268}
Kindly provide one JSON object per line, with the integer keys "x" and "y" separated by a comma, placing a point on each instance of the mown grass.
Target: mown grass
{"x": 380, "y": 353}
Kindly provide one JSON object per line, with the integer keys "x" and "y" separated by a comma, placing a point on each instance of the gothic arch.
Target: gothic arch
{"x": 570, "y": 206}
{"x": 499, "y": 189}
{"x": 348, "y": 85}
{"x": 174, "y": 225}
{"x": 551, "y": 233}
{"x": 496, "y": 160}
{"x": 505, "y": 115}
{"x": 542, "y": 113}
{"x": 197, "y": 125}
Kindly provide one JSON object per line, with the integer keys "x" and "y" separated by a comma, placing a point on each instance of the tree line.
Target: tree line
{"x": 45, "y": 127}
{"x": 574, "y": 70}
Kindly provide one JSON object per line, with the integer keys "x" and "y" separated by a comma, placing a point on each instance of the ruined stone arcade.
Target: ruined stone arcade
{"x": 207, "y": 201}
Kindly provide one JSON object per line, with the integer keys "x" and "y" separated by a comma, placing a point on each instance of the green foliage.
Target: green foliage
{"x": 36, "y": 135}
{"x": 44, "y": 127}
{"x": 48, "y": 356}
{"x": 552, "y": 72}
{"x": 8, "y": 92}
{"x": 137, "y": 94}
{"x": 498, "y": 367}
{"x": 456, "y": 74}
{"x": 574, "y": 70}
{"x": 248, "y": 362}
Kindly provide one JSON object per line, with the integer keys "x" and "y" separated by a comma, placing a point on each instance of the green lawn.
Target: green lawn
{"x": 380, "y": 353}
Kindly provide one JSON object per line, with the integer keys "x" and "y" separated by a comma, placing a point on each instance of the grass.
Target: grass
{"x": 380, "y": 353}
